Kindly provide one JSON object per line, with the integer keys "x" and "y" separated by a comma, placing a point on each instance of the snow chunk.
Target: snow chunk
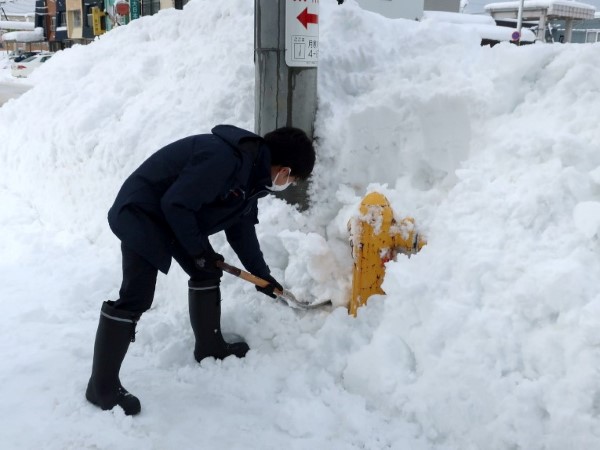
{"x": 587, "y": 218}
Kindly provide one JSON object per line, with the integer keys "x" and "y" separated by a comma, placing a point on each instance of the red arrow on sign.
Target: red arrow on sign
{"x": 305, "y": 18}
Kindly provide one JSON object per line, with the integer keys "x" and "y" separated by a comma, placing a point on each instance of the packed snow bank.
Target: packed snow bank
{"x": 494, "y": 151}
{"x": 487, "y": 339}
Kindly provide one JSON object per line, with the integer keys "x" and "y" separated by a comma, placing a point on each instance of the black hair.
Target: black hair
{"x": 291, "y": 147}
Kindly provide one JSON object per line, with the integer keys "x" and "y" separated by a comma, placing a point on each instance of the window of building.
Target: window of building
{"x": 90, "y": 20}
{"x": 591, "y": 36}
{"x": 76, "y": 18}
{"x": 150, "y": 7}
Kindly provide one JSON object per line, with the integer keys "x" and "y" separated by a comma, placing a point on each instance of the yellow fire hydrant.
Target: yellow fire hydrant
{"x": 376, "y": 238}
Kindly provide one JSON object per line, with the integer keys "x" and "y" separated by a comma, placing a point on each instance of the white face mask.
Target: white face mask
{"x": 280, "y": 187}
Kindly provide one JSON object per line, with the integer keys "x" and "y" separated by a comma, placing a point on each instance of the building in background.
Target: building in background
{"x": 121, "y": 12}
{"x": 12, "y": 15}
{"x": 150, "y": 7}
{"x": 20, "y": 28}
{"x": 17, "y": 10}
{"x": 57, "y": 24}
{"x": 407, "y": 9}
{"x": 442, "y": 5}
{"x": 544, "y": 13}
{"x": 81, "y": 15}
{"x": 585, "y": 31}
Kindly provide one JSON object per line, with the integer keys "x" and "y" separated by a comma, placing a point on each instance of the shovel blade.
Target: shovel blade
{"x": 292, "y": 301}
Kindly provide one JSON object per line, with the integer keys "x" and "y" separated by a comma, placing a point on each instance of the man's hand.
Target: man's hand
{"x": 208, "y": 263}
{"x": 270, "y": 288}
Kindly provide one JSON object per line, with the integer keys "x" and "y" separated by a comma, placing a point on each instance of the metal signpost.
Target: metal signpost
{"x": 520, "y": 20}
{"x": 286, "y": 50}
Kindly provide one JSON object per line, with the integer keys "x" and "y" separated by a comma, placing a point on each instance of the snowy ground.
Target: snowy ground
{"x": 487, "y": 339}
{"x": 4, "y": 67}
{"x": 10, "y": 87}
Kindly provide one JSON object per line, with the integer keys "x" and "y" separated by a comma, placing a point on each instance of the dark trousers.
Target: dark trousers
{"x": 139, "y": 278}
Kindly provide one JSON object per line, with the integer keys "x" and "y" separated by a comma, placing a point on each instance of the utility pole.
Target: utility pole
{"x": 286, "y": 49}
{"x": 3, "y": 12}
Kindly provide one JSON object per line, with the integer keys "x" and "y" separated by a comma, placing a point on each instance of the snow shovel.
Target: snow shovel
{"x": 283, "y": 295}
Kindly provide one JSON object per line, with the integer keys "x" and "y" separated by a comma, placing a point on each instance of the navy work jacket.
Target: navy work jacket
{"x": 193, "y": 188}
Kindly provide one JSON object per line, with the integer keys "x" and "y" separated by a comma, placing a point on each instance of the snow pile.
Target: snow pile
{"x": 487, "y": 339}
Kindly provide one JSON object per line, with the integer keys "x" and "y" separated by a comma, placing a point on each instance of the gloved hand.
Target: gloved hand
{"x": 269, "y": 288}
{"x": 207, "y": 262}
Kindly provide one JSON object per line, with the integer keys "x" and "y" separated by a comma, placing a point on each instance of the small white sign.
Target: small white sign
{"x": 302, "y": 33}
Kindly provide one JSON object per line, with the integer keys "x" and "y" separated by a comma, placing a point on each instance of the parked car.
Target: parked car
{"x": 20, "y": 57}
{"x": 23, "y": 69}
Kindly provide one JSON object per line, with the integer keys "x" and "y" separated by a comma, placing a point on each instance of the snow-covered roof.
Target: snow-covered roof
{"x": 14, "y": 25}
{"x": 482, "y": 24}
{"x": 24, "y": 36}
{"x": 558, "y": 8}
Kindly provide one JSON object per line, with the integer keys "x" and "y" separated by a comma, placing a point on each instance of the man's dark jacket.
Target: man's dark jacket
{"x": 193, "y": 188}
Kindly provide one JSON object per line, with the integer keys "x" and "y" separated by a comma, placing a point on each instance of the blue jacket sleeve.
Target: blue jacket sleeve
{"x": 200, "y": 182}
{"x": 243, "y": 240}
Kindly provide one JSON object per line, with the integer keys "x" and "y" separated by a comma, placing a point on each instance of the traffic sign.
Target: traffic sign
{"x": 302, "y": 33}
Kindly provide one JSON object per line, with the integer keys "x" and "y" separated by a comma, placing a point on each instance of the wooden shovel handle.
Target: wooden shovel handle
{"x": 287, "y": 296}
{"x": 243, "y": 274}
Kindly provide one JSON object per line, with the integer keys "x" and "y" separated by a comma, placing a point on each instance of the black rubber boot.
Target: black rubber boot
{"x": 205, "y": 317}
{"x": 115, "y": 330}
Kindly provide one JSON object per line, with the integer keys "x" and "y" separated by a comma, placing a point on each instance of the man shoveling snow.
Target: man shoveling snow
{"x": 167, "y": 208}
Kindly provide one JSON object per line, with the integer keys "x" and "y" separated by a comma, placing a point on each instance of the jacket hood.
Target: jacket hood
{"x": 233, "y": 135}
{"x": 261, "y": 156}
